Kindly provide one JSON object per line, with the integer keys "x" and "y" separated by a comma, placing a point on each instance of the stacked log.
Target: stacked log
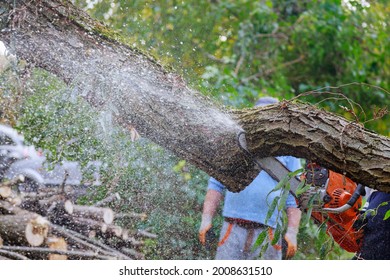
{"x": 48, "y": 224}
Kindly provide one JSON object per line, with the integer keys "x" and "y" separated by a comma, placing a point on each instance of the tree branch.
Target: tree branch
{"x": 140, "y": 92}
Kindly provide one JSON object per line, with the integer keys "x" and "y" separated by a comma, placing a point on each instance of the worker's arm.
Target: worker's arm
{"x": 294, "y": 218}
{"x": 212, "y": 200}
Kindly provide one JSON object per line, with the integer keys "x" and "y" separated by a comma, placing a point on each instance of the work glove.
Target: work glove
{"x": 205, "y": 227}
{"x": 291, "y": 239}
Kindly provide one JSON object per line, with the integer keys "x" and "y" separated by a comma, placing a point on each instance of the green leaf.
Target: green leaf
{"x": 283, "y": 199}
{"x": 284, "y": 183}
{"x": 272, "y": 208}
{"x": 295, "y": 173}
{"x": 323, "y": 250}
{"x": 263, "y": 249}
{"x": 281, "y": 184}
{"x": 302, "y": 187}
{"x": 260, "y": 239}
{"x": 321, "y": 237}
{"x": 383, "y": 204}
{"x": 305, "y": 219}
{"x": 387, "y": 215}
{"x": 277, "y": 234}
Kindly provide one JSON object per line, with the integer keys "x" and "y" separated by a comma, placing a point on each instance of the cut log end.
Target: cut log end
{"x": 5, "y": 192}
{"x": 97, "y": 213}
{"x": 68, "y": 206}
{"x": 108, "y": 216}
{"x": 37, "y": 230}
{"x": 57, "y": 243}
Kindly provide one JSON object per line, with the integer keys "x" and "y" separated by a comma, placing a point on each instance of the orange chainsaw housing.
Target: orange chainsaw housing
{"x": 340, "y": 225}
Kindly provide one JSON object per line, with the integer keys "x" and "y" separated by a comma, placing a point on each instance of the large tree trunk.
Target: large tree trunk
{"x": 139, "y": 92}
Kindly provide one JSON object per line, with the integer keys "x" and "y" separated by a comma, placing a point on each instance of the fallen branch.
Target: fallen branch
{"x": 13, "y": 255}
{"x": 146, "y": 234}
{"x": 2, "y": 258}
{"x": 90, "y": 243}
{"x": 108, "y": 199}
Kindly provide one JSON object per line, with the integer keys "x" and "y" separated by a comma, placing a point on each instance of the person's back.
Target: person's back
{"x": 253, "y": 202}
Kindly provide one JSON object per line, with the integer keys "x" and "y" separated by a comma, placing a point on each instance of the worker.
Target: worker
{"x": 376, "y": 227}
{"x": 245, "y": 215}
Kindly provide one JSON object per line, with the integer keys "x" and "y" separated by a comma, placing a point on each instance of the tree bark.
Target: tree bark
{"x": 304, "y": 131}
{"x": 102, "y": 214}
{"x": 138, "y": 92}
{"x": 24, "y": 228}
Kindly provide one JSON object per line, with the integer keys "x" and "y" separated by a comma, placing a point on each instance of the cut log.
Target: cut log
{"x": 86, "y": 225}
{"x": 24, "y": 228}
{"x": 114, "y": 230}
{"x": 5, "y": 192}
{"x": 59, "y": 212}
{"x": 97, "y": 213}
{"x": 57, "y": 243}
{"x": 58, "y": 199}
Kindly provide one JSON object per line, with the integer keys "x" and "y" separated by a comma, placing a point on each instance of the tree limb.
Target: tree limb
{"x": 112, "y": 76}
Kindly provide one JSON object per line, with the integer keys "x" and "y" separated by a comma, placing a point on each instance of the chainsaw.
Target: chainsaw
{"x": 329, "y": 197}
{"x": 335, "y": 200}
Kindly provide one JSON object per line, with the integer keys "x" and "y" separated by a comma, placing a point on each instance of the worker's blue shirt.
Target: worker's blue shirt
{"x": 253, "y": 202}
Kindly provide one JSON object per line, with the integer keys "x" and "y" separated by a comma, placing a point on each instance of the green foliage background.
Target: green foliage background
{"x": 240, "y": 50}
{"x": 332, "y": 53}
